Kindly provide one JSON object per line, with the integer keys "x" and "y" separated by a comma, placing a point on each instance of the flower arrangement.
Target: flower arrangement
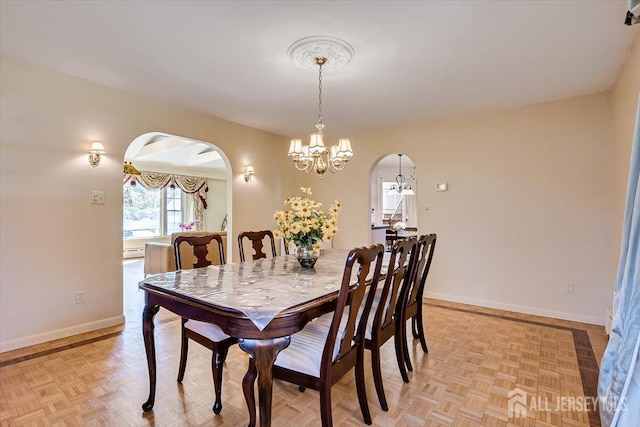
{"x": 399, "y": 226}
{"x": 189, "y": 225}
{"x": 305, "y": 224}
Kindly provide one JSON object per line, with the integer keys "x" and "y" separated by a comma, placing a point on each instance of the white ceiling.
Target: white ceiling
{"x": 157, "y": 152}
{"x": 413, "y": 60}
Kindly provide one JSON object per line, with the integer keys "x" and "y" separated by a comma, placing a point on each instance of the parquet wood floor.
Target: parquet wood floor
{"x": 476, "y": 357}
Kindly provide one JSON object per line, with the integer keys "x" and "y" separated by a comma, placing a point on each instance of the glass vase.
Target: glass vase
{"x": 307, "y": 256}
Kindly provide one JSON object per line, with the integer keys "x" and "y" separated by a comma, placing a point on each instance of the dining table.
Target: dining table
{"x": 262, "y": 303}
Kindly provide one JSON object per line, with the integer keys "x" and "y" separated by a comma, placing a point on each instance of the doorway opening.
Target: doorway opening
{"x": 171, "y": 184}
{"x": 392, "y": 189}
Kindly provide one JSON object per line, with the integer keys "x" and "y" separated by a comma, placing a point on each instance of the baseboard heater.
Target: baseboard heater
{"x": 133, "y": 253}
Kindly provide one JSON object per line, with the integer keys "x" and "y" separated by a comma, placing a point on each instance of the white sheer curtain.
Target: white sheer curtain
{"x": 618, "y": 387}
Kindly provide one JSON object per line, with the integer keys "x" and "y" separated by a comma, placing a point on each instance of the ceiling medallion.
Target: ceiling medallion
{"x": 304, "y": 52}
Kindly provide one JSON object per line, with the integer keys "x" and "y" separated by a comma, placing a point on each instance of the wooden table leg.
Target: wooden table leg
{"x": 264, "y": 353}
{"x": 149, "y": 344}
{"x": 248, "y": 383}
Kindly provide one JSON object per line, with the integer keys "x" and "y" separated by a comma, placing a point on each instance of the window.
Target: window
{"x": 151, "y": 213}
{"x": 173, "y": 209}
{"x": 391, "y": 201}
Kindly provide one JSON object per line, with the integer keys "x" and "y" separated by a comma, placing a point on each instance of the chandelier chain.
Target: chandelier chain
{"x": 320, "y": 95}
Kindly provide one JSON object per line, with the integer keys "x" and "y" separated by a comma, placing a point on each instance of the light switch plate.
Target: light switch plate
{"x": 97, "y": 197}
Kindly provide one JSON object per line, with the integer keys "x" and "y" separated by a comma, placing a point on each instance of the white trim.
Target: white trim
{"x": 60, "y": 333}
{"x": 594, "y": 320}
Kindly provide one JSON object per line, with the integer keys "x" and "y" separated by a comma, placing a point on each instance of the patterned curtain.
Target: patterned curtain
{"x": 196, "y": 186}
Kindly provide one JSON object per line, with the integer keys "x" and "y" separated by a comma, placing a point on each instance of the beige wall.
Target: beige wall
{"x": 625, "y": 98}
{"x": 53, "y": 241}
{"x": 528, "y": 209}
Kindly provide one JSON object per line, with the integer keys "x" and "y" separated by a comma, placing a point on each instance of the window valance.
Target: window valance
{"x": 156, "y": 180}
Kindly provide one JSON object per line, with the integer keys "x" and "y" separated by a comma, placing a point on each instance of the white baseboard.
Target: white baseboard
{"x": 60, "y": 333}
{"x": 594, "y": 320}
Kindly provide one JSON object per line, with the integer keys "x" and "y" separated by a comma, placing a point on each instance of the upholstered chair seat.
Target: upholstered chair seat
{"x": 305, "y": 351}
{"x": 208, "y": 330}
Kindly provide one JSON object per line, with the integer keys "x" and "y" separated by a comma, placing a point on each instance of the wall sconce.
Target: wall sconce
{"x": 94, "y": 153}
{"x": 249, "y": 171}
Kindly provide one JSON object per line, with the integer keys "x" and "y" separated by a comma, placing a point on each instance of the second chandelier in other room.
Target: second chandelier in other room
{"x": 401, "y": 186}
{"x": 329, "y": 52}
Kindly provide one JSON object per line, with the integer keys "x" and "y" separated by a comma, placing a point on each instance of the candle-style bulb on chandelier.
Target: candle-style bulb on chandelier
{"x": 325, "y": 52}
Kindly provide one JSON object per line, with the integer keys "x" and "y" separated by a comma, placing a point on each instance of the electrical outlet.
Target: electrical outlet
{"x": 80, "y": 297}
{"x": 570, "y": 288}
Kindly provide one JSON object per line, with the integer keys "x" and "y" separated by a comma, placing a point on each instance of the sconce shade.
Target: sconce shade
{"x": 94, "y": 153}
{"x": 97, "y": 148}
{"x": 249, "y": 171}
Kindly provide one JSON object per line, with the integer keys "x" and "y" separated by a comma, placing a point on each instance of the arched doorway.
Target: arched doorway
{"x": 392, "y": 192}
{"x": 193, "y": 189}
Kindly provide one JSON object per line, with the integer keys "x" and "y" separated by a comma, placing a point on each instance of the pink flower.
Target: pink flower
{"x": 189, "y": 225}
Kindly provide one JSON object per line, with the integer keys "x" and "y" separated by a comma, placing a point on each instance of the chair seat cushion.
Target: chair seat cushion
{"x": 208, "y": 330}
{"x": 304, "y": 354}
{"x": 305, "y": 351}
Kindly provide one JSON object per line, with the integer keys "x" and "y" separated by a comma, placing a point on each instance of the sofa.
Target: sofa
{"x": 159, "y": 257}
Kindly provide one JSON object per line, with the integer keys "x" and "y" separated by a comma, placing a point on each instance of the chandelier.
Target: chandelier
{"x": 333, "y": 53}
{"x": 401, "y": 187}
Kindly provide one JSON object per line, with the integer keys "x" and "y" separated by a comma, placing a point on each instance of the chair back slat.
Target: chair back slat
{"x": 257, "y": 239}
{"x": 350, "y": 333}
{"x": 424, "y": 255}
{"x": 399, "y": 271}
{"x": 200, "y": 247}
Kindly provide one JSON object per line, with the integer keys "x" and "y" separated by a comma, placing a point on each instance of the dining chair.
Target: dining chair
{"x": 410, "y": 306}
{"x": 206, "y": 334}
{"x": 320, "y": 355}
{"x": 258, "y": 240}
{"x": 381, "y": 324}
{"x": 391, "y": 237}
{"x": 200, "y": 247}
